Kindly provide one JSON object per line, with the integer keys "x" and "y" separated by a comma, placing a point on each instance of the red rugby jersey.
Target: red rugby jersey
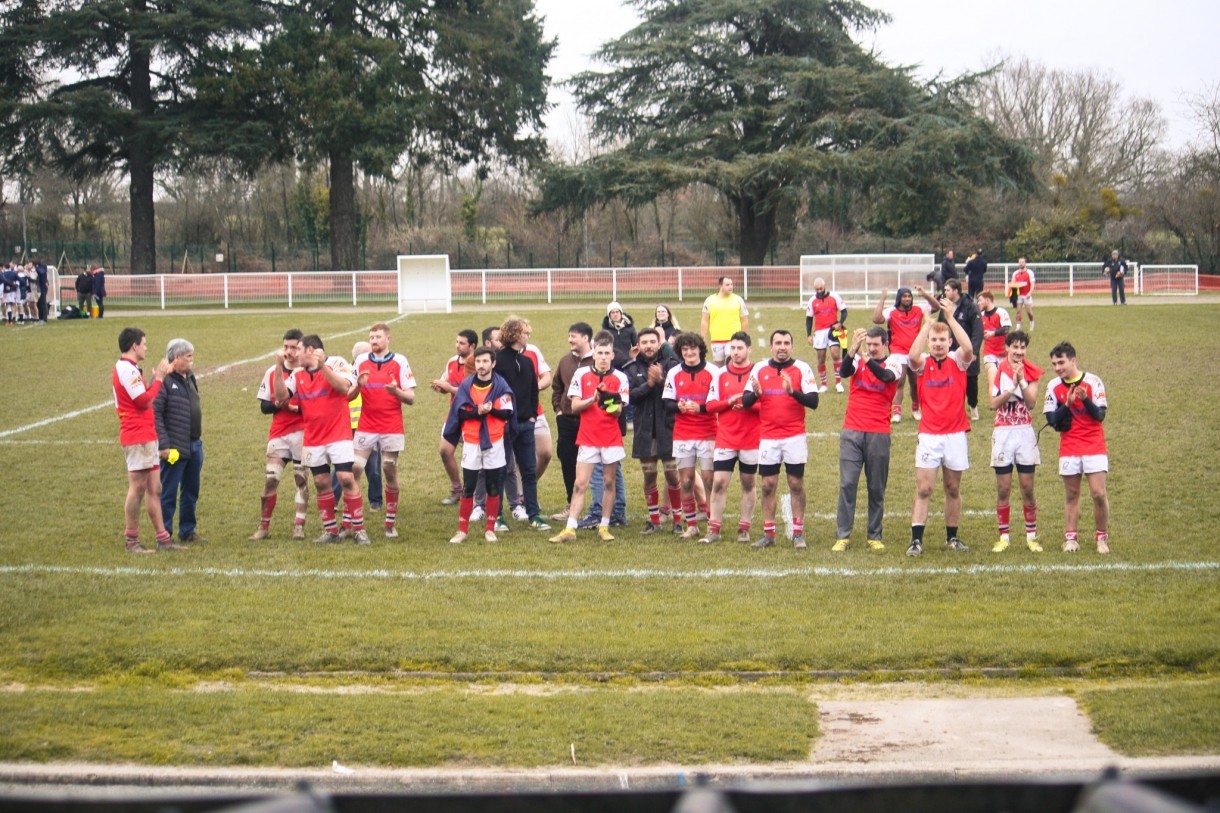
{"x": 685, "y": 384}
{"x": 994, "y": 320}
{"x": 942, "y": 395}
{"x": 736, "y": 427}
{"x": 133, "y": 401}
{"x": 869, "y": 398}
{"x": 824, "y": 310}
{"x": 1086, "y": 436}
{"x": 284, "y": 422}
{"x": 780, "y": 415}
{"x": 381, "y": 412}
{"x": 904, "y": 325}
{"x": 1013, "y": 412}
{"x": 324, "y": 409}
{"x": 597, "y": 426}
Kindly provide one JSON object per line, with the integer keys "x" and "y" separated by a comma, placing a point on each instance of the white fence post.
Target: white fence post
{"x": 161, "y": 280}
{"x": 290, "y": 290}
{"x": 483, "y": 279}
{"x": 614, "y": 284}
{"x": 226, "y": 285}
{"x": 353, "y": 289}
{"x": 549, "y": 289}
{"x": 1071, "y": 279}
{"x": 680, "y": 292}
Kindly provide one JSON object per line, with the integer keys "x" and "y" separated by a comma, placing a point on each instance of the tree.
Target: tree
{"x": 1077, "y": 122}
{"x": 361, "y": 84}
{"x": 123, "y": 99}
{"x": 1187, "y": 202}
{"x": 763, "y": 100}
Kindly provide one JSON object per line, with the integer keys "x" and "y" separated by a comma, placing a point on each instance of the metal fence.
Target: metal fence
{"x": 558, "y": 285}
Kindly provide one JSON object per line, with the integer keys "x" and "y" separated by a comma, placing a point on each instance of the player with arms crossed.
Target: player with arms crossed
{"x": 724, "y": 313}
{"x": 783, "y": 387}
{"x": 597, "y": 394}
{"x": 1075, "y": 407}
{"x": 943, "y": 427}
{"x": 388, "y": 384}
{"x": 322, "y": 387}
{"x": 737, "y": 438}
{"x": 1013, "y": 386}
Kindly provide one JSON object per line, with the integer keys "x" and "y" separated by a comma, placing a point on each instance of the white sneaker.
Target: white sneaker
{"x": 477, "y": 513}
{"x": 519, "y": 514}
{"x": 896, "y": 417}
{"x": 490, "y": 536}
{"x": 917, "y": 414}
{"x": 839, "y": 387}
{"x": 458, "y": 538}
{"x": 822, "y": 388}
{"x": 974, "y": 413}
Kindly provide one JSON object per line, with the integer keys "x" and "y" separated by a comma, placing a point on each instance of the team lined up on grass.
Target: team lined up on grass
{"x": 695, "y": 419}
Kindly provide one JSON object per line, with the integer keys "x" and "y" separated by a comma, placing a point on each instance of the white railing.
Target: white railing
{"x": 559, "y": 285}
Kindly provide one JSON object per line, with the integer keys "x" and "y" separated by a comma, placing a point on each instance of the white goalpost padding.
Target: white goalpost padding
{"x": 859, "y": 278}
{"x": 424, "y": 284}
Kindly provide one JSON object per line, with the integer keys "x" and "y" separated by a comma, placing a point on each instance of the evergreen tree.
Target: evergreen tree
{"x": 108, "y": 85}
{"x": 764, "y": 100}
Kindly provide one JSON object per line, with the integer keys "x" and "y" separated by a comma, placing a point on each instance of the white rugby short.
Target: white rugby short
{"x": 719, "y": 351}
{"x": 366, "y": 442}
{"x": 783, "y": 450}
{"x": 476, "y": 459}
{"x": 600, "y": 454}
{"x": 1015, "y": 444}
{"x": 1084, "y": 464}
{"x": 142, "y": 456}
{"x": 341, "y": 451}
{"x": 541, "y": 427}
{"x": 950, "y": 451}
{"x": 821, "y": 339}
{"x": 287, "y": 447}
{"x": 687, "y": 451}
{"x": 746, "y": 457}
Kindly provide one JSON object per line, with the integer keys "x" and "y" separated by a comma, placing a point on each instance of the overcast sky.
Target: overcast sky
{"x": 1165, "y": 51}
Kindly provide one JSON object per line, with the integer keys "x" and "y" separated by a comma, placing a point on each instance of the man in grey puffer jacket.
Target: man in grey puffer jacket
{"x": 179, "y": 434}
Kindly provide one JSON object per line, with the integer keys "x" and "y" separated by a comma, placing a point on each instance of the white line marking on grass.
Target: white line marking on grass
{"x": 224, "y": 368}
{"x": 625, "y": 573}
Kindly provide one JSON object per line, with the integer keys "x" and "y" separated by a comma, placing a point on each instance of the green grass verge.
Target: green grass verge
{"x": 1177, "y": 719}
{"x": 451, "y": 727}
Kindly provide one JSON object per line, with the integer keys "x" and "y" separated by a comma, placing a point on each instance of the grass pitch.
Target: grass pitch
{"x": 99, "y": 650}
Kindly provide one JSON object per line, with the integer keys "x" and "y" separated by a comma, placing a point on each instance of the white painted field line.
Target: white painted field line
{"x": 625, "y": 573}
{"x": 224, "y": 368}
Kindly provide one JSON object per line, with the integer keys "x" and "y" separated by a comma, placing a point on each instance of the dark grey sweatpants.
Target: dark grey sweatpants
{"x": 868, "y": 452}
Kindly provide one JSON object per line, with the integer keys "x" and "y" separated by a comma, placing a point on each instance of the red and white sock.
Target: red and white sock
{"x": 465, "y": 506}
{"x": 493, "y": 511}
{"x": 1003, "y": 514}
{"x": 1031, "y": 518}
{"x": 326, "y": 507}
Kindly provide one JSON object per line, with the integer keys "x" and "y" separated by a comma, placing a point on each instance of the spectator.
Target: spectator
{"x": 84, "y": 292}
{"x": 976, "y": 270}
{"x": 99, "y": 290}
{"x": 1116, "y": 270}
{"x": 622, "y": 328}
{"x": 179, "y": 419}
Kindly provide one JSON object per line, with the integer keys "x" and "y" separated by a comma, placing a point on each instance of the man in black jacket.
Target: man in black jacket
{"x": 517, "y": 369}
{"x": 976, "y": 270}
{"x": 654, "y": 427}
{"x": 179, "y": 434}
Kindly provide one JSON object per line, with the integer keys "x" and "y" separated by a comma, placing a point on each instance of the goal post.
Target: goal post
{"x": 423, "y": 284}
{"x": 859, "y": 278}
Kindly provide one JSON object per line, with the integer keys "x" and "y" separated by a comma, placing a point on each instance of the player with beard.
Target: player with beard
{"x": 284, "y": 442}
{"x": 1013, "y": 385}
{"x": 783, "y": 387}
{"x": 389, "y": 384}
{"x": 654, "y": 427}
{"x": 737, "y": 436}
{"x": 903, "y": 320}
{"x": 825, "y": 315}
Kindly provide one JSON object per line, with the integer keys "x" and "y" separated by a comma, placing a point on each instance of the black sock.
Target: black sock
{"x": 950, "y": 532}
{"x": 917, "y": 533}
